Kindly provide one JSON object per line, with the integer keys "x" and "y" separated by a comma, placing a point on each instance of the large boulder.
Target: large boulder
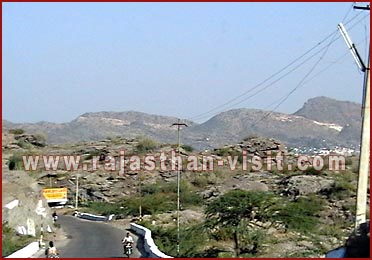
{"x": 31, "y": 139}
{"x": 234, "y": 184}
{"x": 24, "y": 208}
{"x": 306, "y": 184}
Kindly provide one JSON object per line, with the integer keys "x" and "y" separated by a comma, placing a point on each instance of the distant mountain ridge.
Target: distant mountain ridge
{"x": 324, "y": 109}
{"x": 321, "y": 121}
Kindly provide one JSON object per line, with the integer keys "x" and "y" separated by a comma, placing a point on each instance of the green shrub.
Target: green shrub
{"x": 292, "y": 171}
{"x": 145, "y": 145}
{"x": 355, "y": 167}
{"x": 311, "y": 171}
{"x": 192, "y": 239}
{"x": 116, "y": 139}
{"x": 94, "y": 153}
{"x": 187, "y": 148}
{"x": 104, "y": 208}
{"x": 341, "y": 190}
{"x": 331, "y": 231}
{"x": 188, "y": 198}
{"x": 155, "y": 198}
{"x": 225, "y": 151}
{"x": 17, "y": 131}
{"x": 251, "y": 241}
{"x": 188, "y": 195}
{"x": 200, "y": 181}
{"x": 344, "y": 187}
{"x": 24, "y": 144}
{"x": 15, "y": 162}
{"x": 222, "y": 151}
{"x": 12, "y": 242}
{"x": 348, "y": 161}
{"x": 301, "y": 215}
{"x": 157, "y": 203}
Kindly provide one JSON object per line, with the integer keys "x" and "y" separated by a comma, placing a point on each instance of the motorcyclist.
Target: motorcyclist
{"x": 55, "y": 216}
{"x": 51, "y": 251}
{"x": 127, "y": 242}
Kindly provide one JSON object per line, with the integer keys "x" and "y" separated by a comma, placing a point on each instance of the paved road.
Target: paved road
{"x": 94, "y": 240}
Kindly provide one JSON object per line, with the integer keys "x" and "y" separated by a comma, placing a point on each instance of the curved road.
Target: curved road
{"x": 94, "y": 240}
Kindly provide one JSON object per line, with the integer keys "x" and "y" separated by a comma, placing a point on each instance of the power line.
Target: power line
{"x": 310, "y": 79}
{"x": 348, "y": 12}
{"x": 366, "y": 37}
{"x": 282, "y": 76}
{"x": 301, "y": 83}
{"x": 307, "y": 81}
{"x": 293, "y": 90}
{"x": 219, "y": 107}
{"x": 202, "y": 115}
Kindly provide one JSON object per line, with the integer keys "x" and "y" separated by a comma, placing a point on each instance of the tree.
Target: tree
{"x": 227, "y": 216}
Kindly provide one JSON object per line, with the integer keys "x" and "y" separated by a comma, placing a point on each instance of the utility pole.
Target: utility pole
{"x": 140, "y": 194}
{"x": 361, "y": 204}
{"x": 178, "y": 124}
{"x": 77, "y": 192}
{"x": 361, "y": 208}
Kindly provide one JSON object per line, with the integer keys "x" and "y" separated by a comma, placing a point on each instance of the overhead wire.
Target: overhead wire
{"x": 301, "y": 83}
{"x": 348, "y": 12}
{"x": 216, "y": 108}
{"x": 366, "y": 37}
{"x": 293, "y": 90}
{"x": 336, "y": 61}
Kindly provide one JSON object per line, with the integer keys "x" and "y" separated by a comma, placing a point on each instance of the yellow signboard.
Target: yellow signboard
{"x": 55, "y": 194}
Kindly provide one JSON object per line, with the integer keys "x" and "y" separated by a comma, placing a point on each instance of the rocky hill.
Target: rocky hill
{"x": 320, "y": 122}
{"x": 105, "y": 192}
{"x": 327, "y": 110}
{"x": 236, "y": 124}
{"x": 24, "y": 210}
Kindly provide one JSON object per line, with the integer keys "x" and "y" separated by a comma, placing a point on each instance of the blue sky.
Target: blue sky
{"x": 61, "y": 60}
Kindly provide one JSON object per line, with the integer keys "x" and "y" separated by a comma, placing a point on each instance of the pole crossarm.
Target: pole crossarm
{"x": 364, "y": 8}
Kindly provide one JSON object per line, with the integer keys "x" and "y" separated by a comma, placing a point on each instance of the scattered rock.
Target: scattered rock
{"x": 234, "y": 184}
{"x": 306, "y": 184}
{"x": 30, "y": 139}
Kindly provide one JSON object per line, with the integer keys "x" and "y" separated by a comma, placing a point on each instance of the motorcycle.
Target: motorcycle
{"x": 53, "y": 254}
{"x": 128, "y": 250}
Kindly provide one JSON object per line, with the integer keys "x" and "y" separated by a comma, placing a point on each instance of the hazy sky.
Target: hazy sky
{"x": 61, "y": 60}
